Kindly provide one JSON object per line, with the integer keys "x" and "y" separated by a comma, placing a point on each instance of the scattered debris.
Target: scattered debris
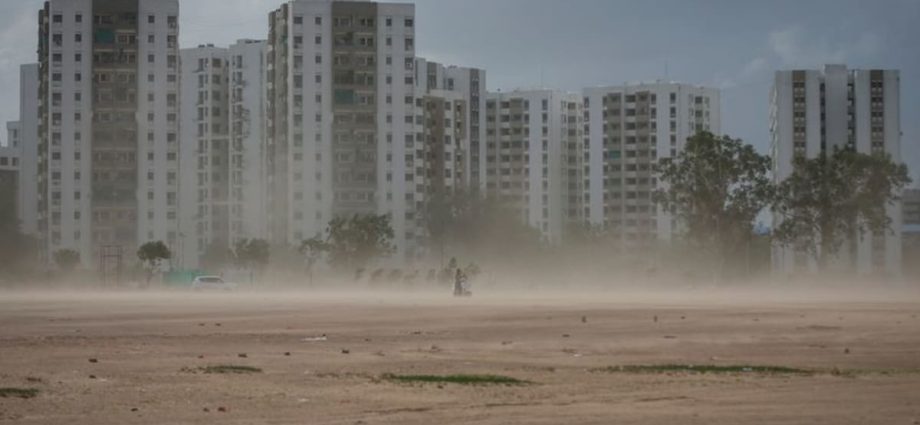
{"x": 670, "y": 337}
{"x": 242, "y": 355}
{"x": 201, "y": 356}
{"x": 846, "y": 351}
{"x": 217, "y": 324}
{"x": 584, "y": 319}
{"x": 345, "y": 351}
{"x": 221, "y": 409}
{"x": 133, "y": 409}
{"x": 565, "y": 335}
{"x": 507, "y": 342}
{"x": 683, "y": 317}
{"x": 92, "y": 377}
{"x": 287, "y": 353}
{"x": 201, "y": 324}
{"x": 655, "y": 318}
{"x": 315, "y": 338}
{"x": 18, "y": 392}
{"x": 456, "y": 379}
{"x": 33, "y": 379}
{"x": 94, "y": 360}
{"x": 206, "y": 409}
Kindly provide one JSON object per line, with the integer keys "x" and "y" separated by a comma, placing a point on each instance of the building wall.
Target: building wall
{"x": 28, "y": 145}
{"x": 527, "y": 133}
{"x": 205, "y": 152}
{"x": 813, "y": 111}
{"x": 338, "y": 108}
{"x": 628, "y": 129}
{"x": 108, "y": 116}
{"x": 248, "y": 190}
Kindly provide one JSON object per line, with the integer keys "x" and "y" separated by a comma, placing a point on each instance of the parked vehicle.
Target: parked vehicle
{"x": 211, "y": 282}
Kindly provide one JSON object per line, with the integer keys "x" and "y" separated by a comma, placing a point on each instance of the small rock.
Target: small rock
{"x": 94, "y": 360}
{"x": 565, "y": 335}
{"x": 217, "y": 324}
{"x": 201, "y": 324}
{"x": 221, "y": 409}
{"x": 584, "y": 319}
{"x": 345, "y": 351}
{"x": 133, "y": 409}
{"x": 242, "y": 355}
{"x": 655, "y": 319}
{"x": 846, "y": 351}
{"x": 201, "y": 356}
{"x": 683, "y": 317}
{"x": 92, "y": 377}
{"x": 287, "y": 353}
{"x": 206, "y": 409}
{"x": 506, "y": 342}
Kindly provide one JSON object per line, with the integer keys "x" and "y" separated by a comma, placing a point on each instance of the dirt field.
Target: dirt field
{"x": 132, "y": 358}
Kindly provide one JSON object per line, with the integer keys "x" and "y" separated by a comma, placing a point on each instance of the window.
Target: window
{"x": 151, "y": 19}
{"x": 78, "y": 38}
{"x": 298, "y": 20}
{"x": 318, "y": 20}
{"x": 58, "y": 19}
{"x": 78, "y": 18}
{"x": 409, "y": 22}
{"x": 410, "y": 43}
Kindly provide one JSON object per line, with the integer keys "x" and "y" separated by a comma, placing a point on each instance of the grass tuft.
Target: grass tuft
{"x": 704, "y": 369}
{"x": 230, "y": 369}
{"x": 457, "y": 379}
{"x": 18, "y": 392}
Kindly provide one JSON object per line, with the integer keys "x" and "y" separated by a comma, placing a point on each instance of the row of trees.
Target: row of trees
{"x": 718, "y": 185}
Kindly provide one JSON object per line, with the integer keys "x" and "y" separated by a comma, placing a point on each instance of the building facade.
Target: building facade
{"x": 248, "y": 180}
{"x": 628, "y": 130}
{"x": 108, "y": 126}
{"x": 204, "y": 153}
{"x": 815, "y": 111}
{"x": 533, "y": 157}
{"x": 343, "y": 119}
{"x": 28, "y": 148}
{"x": 10, "y": 172}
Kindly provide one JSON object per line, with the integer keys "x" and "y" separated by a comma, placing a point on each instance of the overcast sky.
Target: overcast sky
{"x": 569, "y": 44}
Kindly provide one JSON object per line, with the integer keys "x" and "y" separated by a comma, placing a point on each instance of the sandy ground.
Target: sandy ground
{"x": 148, "y": 346}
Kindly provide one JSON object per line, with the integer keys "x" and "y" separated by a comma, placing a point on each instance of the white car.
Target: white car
{"x": 211, "y": 282}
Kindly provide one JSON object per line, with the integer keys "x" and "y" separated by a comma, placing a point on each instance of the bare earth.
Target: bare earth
{"x": 149, "y": 347}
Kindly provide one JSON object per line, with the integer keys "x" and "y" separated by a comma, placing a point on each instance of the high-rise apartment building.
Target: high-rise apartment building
{"x": 249, "y": 211}
{"x": 10, "y": 171}
{"x": 533, "y": 157}
{"x": 108, "y": 125}
{"x": 28, "y": 143}
{"x": 815, "y": 111}
{"x": 204, "y": 153}
{"x": 628, "y": 130}
{"x": 343, "y": 121}
{"x": 469, "y": 85}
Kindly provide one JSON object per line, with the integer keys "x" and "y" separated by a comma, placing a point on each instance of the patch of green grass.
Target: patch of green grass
{"x": 230, "y": 369}
{"x": 710, "y": 369}
{"x": 457, "y": 379}
{"x": 18, "y": 392}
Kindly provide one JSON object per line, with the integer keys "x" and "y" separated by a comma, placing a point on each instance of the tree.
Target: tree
{"x": 66, "y": 259}
{"x": 829, "y": 199}
{"x": 715, "y": 188}
{"x": 251, "y": 254}
{"x": 152, "y": 255}
{"x": 312, "y": 249}
{"x": 352, "y": 242}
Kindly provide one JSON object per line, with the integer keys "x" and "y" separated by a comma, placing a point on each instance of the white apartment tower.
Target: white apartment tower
{"x": 10, "y": 170}
{"x": 343, "y": 122}
{"x": 108, "y": 131}
{"x": 204, "y": 155}
{"x": 248, "y": 180}
{"x": 533, "y": 157}
{"x": 628, "y": 130}
{"x": 28, "y": 148}
{"x": 468, "y": 85}
{"x": 814, "y": 111}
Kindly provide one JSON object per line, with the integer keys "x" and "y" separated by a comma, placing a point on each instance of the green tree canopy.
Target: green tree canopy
{"x": 152, "y": 255}
{"x": 353, "y": 242}
{"x": 716, "y": 187}
{"x": 66, "y": 259}
{"x": 834, "y": 197}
